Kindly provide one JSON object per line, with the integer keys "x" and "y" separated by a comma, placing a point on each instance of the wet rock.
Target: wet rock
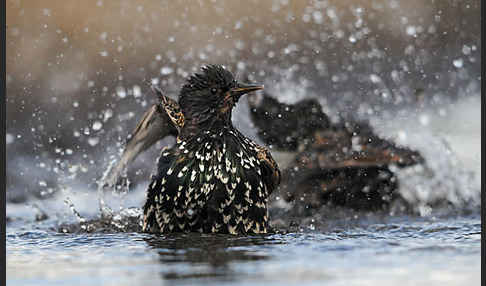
{"x": 343, "y": 164}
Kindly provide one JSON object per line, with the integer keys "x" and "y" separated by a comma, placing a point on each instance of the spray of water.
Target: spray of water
{"x": 448, "y": 137}
{"x": 449, "y": 179}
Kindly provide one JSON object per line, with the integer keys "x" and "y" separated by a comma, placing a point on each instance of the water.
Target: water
{"x": 397, "y": 251}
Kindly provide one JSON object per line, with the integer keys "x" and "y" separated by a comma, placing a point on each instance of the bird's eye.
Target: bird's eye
{"x": 213, "y": 90}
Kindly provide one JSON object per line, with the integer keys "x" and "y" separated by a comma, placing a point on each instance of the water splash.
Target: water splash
{"x": 70, "y": 205}
{"x": 450, "y": 178}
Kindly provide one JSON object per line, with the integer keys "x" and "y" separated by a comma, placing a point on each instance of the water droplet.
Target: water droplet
{"x": 458, "y": 63}
{"x": 241, "y": 65}
{"x": 166, "y": 70}
{"x": 374, "y": 78}
{"x": 97, "y": 125}
{"x": 411, "y": 31}
{"x": 73, "y": 169}
{"x": 121, "y": 92}
{"x": 93, "y": 141}
{"x": 107, "y": 114}
{"x": 137, "y": 91}
{"x": 317, "y": 15}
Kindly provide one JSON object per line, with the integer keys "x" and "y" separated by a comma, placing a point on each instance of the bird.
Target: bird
{"x": 343, "y": 163}
{"x": 214, "y": 179}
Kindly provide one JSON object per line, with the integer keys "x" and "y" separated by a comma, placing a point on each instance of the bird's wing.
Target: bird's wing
{"x": 270, "y": 170}
{"x": 171, "y": 108}
{"x": 159, "y": 121}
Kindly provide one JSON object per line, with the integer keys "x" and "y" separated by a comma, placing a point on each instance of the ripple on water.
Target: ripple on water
{"x": 407, "y": 247}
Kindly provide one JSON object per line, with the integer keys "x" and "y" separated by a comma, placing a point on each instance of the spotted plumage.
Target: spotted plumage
{"x": 214, "y": 179}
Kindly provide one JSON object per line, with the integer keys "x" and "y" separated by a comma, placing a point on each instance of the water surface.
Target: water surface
{"x": 402, "y": 251}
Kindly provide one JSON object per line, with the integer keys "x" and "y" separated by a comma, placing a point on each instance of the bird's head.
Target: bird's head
{"x": 208, "y": 98}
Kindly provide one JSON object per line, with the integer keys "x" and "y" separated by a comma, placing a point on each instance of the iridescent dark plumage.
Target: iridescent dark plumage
{"x": 214, "y": 179}
{"x": 342, "y": 163}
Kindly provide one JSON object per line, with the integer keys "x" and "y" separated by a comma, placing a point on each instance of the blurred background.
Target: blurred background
{"x": 77, "y": 74}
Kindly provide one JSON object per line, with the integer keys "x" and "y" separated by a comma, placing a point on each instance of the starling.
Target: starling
{"x": 214, "y": 179}
{"x": 343, "y": 163}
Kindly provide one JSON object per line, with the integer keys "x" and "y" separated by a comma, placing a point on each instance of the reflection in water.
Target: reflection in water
{"x": 395, "y": 251}
{"x": 207, "y": 255}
